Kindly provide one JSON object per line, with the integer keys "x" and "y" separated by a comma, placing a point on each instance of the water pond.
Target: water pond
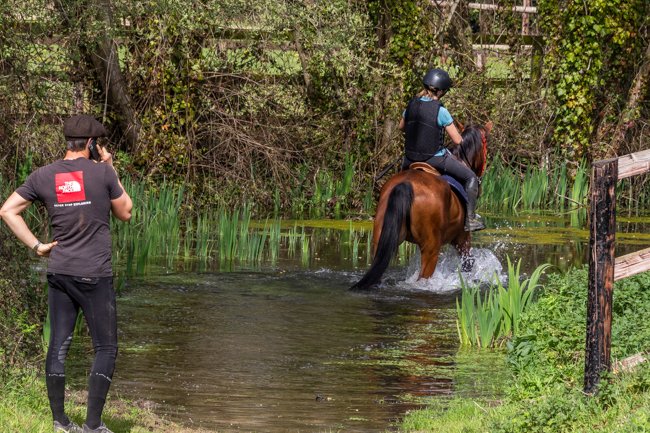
{"x": 281, "y": 345}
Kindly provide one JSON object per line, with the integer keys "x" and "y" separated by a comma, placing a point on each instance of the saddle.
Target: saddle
{"x": 456, "y": 186}
{"x": 423, "y": 166}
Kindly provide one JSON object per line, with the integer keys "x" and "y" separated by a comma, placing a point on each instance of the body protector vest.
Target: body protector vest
{"x": 424, "y": 138}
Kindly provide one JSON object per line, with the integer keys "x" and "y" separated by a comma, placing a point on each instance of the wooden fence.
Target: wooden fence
{"x": 604, "y": 267}
{"x": 486, "y": 43}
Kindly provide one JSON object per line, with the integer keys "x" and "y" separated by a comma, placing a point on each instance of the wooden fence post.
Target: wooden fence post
{"x": 602, "y": 217}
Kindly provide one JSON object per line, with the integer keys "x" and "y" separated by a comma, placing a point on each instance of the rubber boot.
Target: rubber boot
{"x": 472, "y": 222}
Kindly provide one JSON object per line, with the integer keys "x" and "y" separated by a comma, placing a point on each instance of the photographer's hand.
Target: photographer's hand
{"x": 43, "y": 250}
{"x": 105, "y": 155}
{"x": 11, "y": 214}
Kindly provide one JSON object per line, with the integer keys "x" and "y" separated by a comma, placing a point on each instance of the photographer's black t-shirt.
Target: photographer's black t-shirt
{"x": 77, "y": 194}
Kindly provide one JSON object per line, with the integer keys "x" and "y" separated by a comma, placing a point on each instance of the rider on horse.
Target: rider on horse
{"x": 424, "y": 122}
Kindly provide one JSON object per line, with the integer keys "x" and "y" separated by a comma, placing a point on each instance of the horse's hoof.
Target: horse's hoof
{"x": 364, "y": 287}
{"x": 467, "y": 265}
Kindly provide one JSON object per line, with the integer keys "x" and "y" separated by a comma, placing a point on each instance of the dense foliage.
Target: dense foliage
{"x": 22, "y": 307}
{"x": 268, "y": 101}
{"x": 592, "y": 47}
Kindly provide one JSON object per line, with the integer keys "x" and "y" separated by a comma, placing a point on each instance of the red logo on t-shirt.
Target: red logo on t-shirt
{"x": 70, "y": 187}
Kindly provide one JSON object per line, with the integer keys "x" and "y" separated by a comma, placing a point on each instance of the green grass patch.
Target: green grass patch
{"x": 546, "y": 359}
{"x": 456, "y": 416}
{"x": 24, "y": 407}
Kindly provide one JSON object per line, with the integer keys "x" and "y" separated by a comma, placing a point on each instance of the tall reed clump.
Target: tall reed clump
{"x": 488, "y": 319}
{"x": 163, "y": 233}
{"x": 505, "y": 190}
{"x": 155, "y": 228}
{"x": 159, "y": 232}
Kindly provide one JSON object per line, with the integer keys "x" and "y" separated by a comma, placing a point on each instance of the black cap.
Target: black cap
{"x": 83, "y": 126}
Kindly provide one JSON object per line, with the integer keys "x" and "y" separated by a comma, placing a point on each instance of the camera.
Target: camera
{"x": 94, "y": 153}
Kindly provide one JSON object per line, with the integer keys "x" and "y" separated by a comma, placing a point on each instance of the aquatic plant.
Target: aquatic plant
{"x": 488, "y": 319}
{"x": 504, "y": 190}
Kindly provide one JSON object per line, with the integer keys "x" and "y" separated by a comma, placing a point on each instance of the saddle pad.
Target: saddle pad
{"x": 456, "y": 187}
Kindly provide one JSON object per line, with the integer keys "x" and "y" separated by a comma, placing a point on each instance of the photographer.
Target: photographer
{"x": 79, "y": 191}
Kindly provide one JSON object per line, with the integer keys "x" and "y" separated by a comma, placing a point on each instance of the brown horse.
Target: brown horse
{"x": 420, "y": 207}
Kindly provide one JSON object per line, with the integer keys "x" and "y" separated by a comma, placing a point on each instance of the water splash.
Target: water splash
{"x": 446, "y": 278}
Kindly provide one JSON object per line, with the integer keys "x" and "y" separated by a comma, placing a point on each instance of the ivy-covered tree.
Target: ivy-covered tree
{"x": 593, "y": 52}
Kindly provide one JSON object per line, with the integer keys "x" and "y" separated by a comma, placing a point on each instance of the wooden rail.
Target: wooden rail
{"x": 483, "y": 44}
{"x": 604, "y": 267}
{"x": 525, "y": 9}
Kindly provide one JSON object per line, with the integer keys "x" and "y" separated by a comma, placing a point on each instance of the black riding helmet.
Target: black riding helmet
{"x": 437, "y": 79}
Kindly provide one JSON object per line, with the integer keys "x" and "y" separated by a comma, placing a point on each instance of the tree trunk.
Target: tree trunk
{"x": 635, "y": 96}
{"x": 614, "y": 135}
{"x": 109, "y": 76}
{"x": 304, "y": 61}
{"x": 102, "y": 55}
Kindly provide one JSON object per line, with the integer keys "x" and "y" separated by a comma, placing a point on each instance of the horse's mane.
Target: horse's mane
{"x": 472, "y": 149}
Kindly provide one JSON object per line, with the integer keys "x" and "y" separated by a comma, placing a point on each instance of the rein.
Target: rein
{"x": 484, "y": 151}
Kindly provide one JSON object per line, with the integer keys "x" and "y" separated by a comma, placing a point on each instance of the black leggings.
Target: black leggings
{"x": 447, "y": 164}
{"x": 96, "y": 298}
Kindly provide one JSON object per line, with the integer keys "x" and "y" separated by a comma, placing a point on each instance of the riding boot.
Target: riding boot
{"x": 472, "y": 221}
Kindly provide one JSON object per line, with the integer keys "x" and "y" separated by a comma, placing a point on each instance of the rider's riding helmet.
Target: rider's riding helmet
{"x": 437, "y": 79}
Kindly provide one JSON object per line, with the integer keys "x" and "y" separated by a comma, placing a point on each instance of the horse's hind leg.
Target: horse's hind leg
{"x": 463, "y": 245}
{"x": 429, "y": 258}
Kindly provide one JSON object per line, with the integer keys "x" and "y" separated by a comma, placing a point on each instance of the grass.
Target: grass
{"x": 456, "y": 416}
{"x": 488, "y": 319}
{"x": 24, "y": 408}
{"x": 558, "y": 411}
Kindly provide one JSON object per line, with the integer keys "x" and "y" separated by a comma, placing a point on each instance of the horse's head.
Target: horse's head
{"x": 473, "y": 149}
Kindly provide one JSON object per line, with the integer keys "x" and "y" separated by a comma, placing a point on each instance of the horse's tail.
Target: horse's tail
{"x": 398, "y": 211}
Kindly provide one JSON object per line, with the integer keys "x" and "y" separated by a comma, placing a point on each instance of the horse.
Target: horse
{"x": 419, "y": 206}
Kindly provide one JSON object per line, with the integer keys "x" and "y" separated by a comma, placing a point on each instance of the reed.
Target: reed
{"x": 500, "y": 188}
{"x": 579, "y": 193}
{"x": 275, "y": 239}
{"x": 304, "y": 249}
{"x": 561, "y": 181}
{"x": 355, "y": 239}
{"x": 292, "y": 239}
{"x": 516, "y": 298}
{"x": 155, "y": 227}
{"x": 534, "y": 189}
{"x": 506, "y": 190}
{"x": 488, "y": 319}
{"x": 328, "y": 192}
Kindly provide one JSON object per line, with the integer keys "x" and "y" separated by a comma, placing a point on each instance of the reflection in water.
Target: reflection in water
{"x": 283, "y": 346}
{"x": 283, "y": 352}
